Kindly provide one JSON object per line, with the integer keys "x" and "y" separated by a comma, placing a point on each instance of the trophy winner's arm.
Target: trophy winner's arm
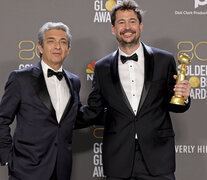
{"x": 181, "y": 88}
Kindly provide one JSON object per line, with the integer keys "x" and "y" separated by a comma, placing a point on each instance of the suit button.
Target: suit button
{"x": 56, "y": 144}
{"x": 59, "y": 125}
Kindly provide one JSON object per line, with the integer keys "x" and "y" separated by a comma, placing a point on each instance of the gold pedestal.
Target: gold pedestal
{"x": 179, "y": 100}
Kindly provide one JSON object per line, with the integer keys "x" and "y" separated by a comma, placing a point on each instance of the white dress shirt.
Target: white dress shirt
{"x": 58, "y": 91}
{"x": 131, "y": 76}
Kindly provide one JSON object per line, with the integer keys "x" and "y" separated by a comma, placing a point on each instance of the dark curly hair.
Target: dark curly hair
{"x": 126, "y": 5}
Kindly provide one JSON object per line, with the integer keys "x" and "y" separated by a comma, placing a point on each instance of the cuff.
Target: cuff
{"x": 4, "y": 164}
{"x": 186, "y": 101}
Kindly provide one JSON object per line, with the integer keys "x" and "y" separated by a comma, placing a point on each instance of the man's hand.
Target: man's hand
{"x": 182, "y": 88}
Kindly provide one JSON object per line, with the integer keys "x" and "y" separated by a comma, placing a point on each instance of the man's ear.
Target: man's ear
{"x": 141, "y": 27}
{"x": 40, "y": 48}
{"x": 113, "y": 30}
{"x": 69, "y": 48}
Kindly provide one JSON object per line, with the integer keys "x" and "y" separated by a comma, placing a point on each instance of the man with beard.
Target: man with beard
{"x": 135, "y": 83}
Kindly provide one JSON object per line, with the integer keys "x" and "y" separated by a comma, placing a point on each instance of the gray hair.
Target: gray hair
{"x": 54, "y": 25}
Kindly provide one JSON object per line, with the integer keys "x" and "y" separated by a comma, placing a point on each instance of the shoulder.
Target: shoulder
{"x": 106, "y": 60}
{"x": 75, "y": 80}
{"x": 24, "y": 70}
{"x": 157, "y": 51}
{"x": 22, "y": 73}
{"x": 19, "y": 78}
{"x": 161, "y": 52}
{"x": 160, "y": 55}
{"x": 71, "y": 75}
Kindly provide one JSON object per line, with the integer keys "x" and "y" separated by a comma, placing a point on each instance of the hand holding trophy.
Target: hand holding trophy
{"x": 184, "y": 60}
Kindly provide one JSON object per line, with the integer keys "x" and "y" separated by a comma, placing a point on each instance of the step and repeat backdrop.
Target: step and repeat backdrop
{"x": 177, "y": 26}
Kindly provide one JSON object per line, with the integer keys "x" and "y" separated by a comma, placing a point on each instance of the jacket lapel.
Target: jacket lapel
{"x": 149, "y": 68}
{"x": 69, "y": 81}
{"x": 116, "y": 80}
{"x": 38, "y": 82}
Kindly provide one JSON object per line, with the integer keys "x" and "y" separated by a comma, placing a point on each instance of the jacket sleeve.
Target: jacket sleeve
{"x": 8, "y": 108}
{"x": 171, "y": 83}
{"x": 93, "y": 113}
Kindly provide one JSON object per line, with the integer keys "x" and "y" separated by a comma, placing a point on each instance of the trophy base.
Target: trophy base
{"x": 177, "y": 101}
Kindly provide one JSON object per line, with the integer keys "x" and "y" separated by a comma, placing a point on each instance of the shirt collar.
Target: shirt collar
{"x": 138, "y": 51}
{"x": 45, "y": 67}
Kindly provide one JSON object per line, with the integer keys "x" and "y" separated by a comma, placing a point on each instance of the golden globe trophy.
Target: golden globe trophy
{"x": 184, "y": 60}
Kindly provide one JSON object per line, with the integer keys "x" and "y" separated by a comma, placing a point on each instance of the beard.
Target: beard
{"x": 124, "y": 43}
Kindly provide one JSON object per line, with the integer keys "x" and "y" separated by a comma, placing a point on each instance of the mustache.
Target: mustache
{"x": 127, "y": 31}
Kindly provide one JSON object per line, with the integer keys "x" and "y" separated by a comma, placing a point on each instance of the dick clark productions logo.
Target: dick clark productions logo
{"x": 200, "y": 3}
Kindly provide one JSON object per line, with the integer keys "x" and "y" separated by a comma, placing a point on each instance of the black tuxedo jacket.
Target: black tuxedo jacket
{"x": 152, "y": 122}
{"x": 39, "y": 142}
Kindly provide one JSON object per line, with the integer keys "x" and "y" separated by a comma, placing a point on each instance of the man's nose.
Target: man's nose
{"x": 57, "y": 45}
{"x": 127, "y": 25}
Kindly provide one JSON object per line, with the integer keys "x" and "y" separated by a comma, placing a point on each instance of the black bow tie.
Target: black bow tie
{"x": 126, "y": 58}
{"x": 59, "y": 75}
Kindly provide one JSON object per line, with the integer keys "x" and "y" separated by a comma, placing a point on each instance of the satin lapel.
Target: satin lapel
{"x": 38, "y": 82}
{"x": 69, "y": 81}
{"x": 149, "y": 68}
{"x": 116, "y": 80}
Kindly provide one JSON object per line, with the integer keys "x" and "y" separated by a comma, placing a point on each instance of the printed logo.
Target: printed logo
{"x": 28, "y": 53}
{"x": 97, "y": 149}
{"x": 90, "y": 71}
{"x": 194, "y": 81}
{"x": 197, "y": 70}
{"x": 97, "y": 160}
{"x": 193, "y": 11}
{"x": 102, "y": 10}
{"x": 200, "y": 3}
